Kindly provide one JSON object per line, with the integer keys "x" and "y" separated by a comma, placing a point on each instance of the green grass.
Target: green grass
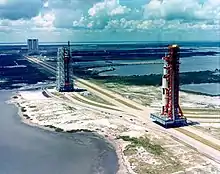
{"x": 93, "y": 104}
{"x": 130, "y": 150}
{"x": 143, "y": 142}
{"x": 167, "y": 162}
{"x": 119, "y": 100}
{"x": 146, "y": 99}
{"x": 155, "y": 79}
{"x": 97, "y": 99}
{"x": 198, "y": 138}
{"x": 83, "y": 101}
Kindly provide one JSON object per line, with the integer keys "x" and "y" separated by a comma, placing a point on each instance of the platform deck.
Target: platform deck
{"x": 167, "y": 122}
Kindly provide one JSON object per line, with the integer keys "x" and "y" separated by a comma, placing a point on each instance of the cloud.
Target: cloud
{"x": 108, "y": 8}
{"x": 44, "y": 21}
{"x": 114, "y": 15}
{"x": 67, "y": 11}
{"x": 40, "y": 22}
{"x": 19, "y": 9}
{"x": 110, "y": 14}
{"x": 104, "y": 14}
{"x": 67, "y": 21}
{"x": 187, "y": 10}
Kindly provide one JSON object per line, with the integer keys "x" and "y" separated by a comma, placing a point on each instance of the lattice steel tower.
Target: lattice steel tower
{"x": 64, "y": 70}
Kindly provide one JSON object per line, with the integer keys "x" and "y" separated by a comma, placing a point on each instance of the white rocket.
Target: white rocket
{"x": 164, "y": 87}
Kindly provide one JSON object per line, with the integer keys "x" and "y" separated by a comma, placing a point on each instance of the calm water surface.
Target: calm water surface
{"x": 207, "y": 88}
{"x": 31, "y": 150}
{"x": 190, "y": 64}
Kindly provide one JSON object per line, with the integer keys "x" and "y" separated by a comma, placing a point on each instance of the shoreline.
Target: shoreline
{"x": 123, "y": 168}
{"x": 22, "y": 117}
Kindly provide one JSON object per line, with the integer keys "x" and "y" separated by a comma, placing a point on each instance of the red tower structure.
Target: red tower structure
{"x": 171, "y": 113}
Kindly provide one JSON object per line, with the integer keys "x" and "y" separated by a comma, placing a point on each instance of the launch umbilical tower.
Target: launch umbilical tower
{"x": 64, "y": 70}
{"x": 171, "y": 113}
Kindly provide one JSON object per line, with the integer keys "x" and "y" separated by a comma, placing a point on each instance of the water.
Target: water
{"x": 207, "y": 88}
{"x": 31, "y": 150}
{"x": 189, "y": 64}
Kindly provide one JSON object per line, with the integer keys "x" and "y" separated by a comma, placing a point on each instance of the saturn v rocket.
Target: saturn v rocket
{"x": 170, "y": 85}
{"x": 171, "y": 112}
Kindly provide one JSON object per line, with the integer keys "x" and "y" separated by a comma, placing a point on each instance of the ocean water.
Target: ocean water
{"x": 30, "y": 150}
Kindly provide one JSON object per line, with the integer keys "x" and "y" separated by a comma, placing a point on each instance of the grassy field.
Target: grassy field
{"x": 96, "y": 98}
{"x": 109, "y": 95}
{"x": 142, "y": 142}
{"x": 91, "y": 103}
{"x": 162, "y": 158}
{"x": 155, "y": 79}
{"x": 198, "y": 138}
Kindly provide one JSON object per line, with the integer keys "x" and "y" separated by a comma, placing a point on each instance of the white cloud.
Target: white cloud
{"x": 103, "y": 15}
{"x": 188, "y": 10}
{"x": 108, "y": 8}
{"x": 40, "y": 22}
{"x": 44, "y": 21}
{"x": 64, "y": 17}
{"x": 110, "y": 14}
{"x": 171, "y": 9}
{"x": 152, "y": 16}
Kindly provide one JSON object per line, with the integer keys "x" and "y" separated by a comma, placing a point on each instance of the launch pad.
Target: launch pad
{"x": 167, "y": 122}
{"x": 171, "y": 114}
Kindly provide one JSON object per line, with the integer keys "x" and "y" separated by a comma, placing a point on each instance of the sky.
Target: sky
{"x": 109, "y": 20}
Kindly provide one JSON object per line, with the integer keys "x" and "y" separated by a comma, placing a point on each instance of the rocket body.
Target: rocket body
{"x": 170, "y": 84}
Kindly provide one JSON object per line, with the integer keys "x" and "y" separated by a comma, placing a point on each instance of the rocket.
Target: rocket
{"x": 171, "y": 113}
{"x": 170, "y": 84}
{"x": 164, "y": 88}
